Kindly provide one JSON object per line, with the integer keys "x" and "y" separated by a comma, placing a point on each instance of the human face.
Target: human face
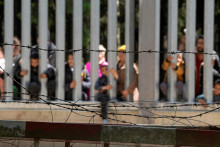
{"x": 200, "y": 45}
{"x": 34, "y": 62}
{"x": 179, "y": 58}
{"x": 101, "y": 55}
{"x": 121, "y": 56}
{"x": 183, "y": 40}
{"x": 104, "y": 71}
{"x": 70, "y": 60}
{"x": 217, "y": 89}
{"x": 1, "y": 54}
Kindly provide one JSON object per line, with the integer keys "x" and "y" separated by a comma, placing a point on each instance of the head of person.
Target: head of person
{"x": 179, "y": 58}
{"x": 70, "y": 60}
{"x": 121, "y": 53}
{"x": 16, "y": 46}
{"x": 183, "y": 40}
{"x": 182, "y": 44}
{"x": 217, "y": 87}
{"x": 1, "y": 53}
{"x": 200, "y": 44}
{"x": 104, "y": 70}
{"x": 34, "y": 60}
{"x": 102, "y": 51}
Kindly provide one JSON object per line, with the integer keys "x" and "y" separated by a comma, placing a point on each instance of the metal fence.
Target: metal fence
{"x": 149, "y": 38}
{"x": 60, "y": 41}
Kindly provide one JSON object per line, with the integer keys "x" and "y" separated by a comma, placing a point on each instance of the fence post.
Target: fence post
{"x": 8, "y": 38}
{"x": 149, "y": 40}
{"x": 94, "y": 45}
{"x": 172, "y": 46}
{"x": 112, "y": 42}
{"x": 36, "y": 143}
{"x": 129, "y": 41}
{"x": 67, "y": 144}
{"x": 209, "y": 44}
{"x": 43, "y": 42}
{"x": 26, "y": 40}
{"x": 60, "y": 43}
{"x": 190, "y": 47}
{"x": 77, "y": 44}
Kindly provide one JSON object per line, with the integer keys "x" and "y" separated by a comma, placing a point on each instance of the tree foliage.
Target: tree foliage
{"x": 104, "y": 19}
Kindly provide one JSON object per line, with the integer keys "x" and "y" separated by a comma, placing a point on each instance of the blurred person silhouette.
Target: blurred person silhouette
{"x": 16, "y": 62}
{"x": 34, "y": 85}
{"x": 70, "y": 83}
{"x": 50, "y": 73}
{"x": 103, "y": 86}
{"x": 102, "y": 61}
{"x": 216, "y": 95}
{"x": 119, "y": 75}
{"x": 199, "y": 58}
{"x": 178, "y": 68}
{"x": 2, "y": 65}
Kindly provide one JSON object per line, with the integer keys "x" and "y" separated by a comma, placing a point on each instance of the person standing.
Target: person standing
{"x": 102, "y": 86}
{"x": 2, "y": 65}
{"x": 119, "y": 75}
{"x": 199, "y": 58}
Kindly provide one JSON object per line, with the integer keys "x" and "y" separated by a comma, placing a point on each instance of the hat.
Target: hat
{"x": 122, "y": 48}
{"x": 102, "y": 48}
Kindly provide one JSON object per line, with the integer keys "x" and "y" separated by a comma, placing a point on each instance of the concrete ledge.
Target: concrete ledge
{"x": 45, "y": 113}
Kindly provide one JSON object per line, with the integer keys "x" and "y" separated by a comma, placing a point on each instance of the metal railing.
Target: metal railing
{"x": 149, "y": 38}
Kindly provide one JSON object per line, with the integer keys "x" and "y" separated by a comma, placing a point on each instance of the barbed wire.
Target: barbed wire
{"x": 116, "y": 51}
{"x": 123, "y": 104}
{"x": 124, "y": 114}
{"x": 59, "y": 105}
{"x": 95, "y": 113}
{"x": 12, "y": 143}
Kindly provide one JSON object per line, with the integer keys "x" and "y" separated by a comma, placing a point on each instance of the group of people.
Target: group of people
{"x": 179, "y": 68}
{"x": 102, "y": 84}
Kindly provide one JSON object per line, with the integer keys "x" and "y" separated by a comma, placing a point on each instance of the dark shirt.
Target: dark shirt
{"x": 215, "y": 71}
{"x": 34, "y": 74}
{"x": 51, "y": 53}
{"x": 102, "y": 81}
{"x": 69, "y": 78}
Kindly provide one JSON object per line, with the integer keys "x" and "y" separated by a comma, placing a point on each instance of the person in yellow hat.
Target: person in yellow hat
{"x": 119, "y": 75}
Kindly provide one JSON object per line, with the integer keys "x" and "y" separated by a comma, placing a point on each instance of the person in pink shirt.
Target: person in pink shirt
{"x": 2, "y": 68}
{"x": 102, "y": 60}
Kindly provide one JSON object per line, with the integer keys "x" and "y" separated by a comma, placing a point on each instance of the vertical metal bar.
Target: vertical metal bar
{"x": 172, "y": 46}
{"x": 60, "y": 42}
{"x": 67, "y": 144}
{"x": 106, "y": 145}
{"x": 94, "y": 45}
{"x": 190, "y": 47}
{"x": 26, "y": 40}
{"x": 36, "y": 143}
{"x": 149, "y": 39}
{"x": 157, "y": 48}
{"x": 209, "y": 44}
{"x": 43, "y": 42}
{"x": 112, "y": 42}
{"x": 129, "y": 41}
{"x": 77, "y": 44}
{"x": 8, "y": 38}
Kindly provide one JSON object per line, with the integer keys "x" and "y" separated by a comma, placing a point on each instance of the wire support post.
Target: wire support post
{"x": 36, "y": 143}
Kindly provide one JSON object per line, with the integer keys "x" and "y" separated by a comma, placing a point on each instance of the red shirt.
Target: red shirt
{"x": 198, "y": 65}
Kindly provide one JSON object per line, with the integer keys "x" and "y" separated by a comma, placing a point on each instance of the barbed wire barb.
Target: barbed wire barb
{"x": 126, "y": 52}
